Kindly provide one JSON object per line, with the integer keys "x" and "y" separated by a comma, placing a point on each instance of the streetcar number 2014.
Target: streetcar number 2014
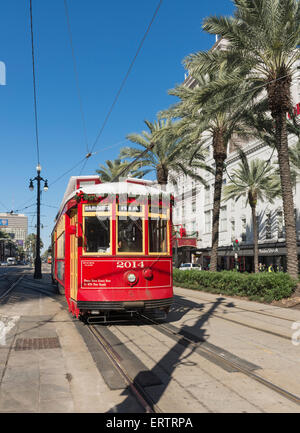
{"x": 128, "y": 265}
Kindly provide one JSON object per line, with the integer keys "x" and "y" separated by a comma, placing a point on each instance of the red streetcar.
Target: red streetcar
{"x": 112, "y": 248}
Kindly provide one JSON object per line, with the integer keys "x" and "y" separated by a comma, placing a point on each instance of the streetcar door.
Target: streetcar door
{"x": 73, "y": 258}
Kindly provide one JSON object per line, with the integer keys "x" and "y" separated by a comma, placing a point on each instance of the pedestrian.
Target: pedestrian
{"x": 270, "y": 268}
{"x": 260, "y": 267}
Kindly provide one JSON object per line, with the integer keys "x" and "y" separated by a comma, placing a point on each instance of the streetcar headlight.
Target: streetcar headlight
{"x": 131, "y": 278}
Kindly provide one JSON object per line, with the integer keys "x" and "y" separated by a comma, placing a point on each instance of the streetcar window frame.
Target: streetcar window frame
{"x": 136, "y": 215}
{"x": 165, "y": 216}
{"x": 60, "y": 239}
{"x": 95, "y": 213}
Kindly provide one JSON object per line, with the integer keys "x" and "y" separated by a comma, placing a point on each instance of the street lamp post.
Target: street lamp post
{"x": 37, "y": 262}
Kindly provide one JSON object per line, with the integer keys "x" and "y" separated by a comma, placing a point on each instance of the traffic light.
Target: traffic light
{"x": 182, "y": 232}
{"x": 235, "y": 245}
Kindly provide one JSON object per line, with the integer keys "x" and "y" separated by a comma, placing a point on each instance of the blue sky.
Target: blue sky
{"x": 106, "y": 36}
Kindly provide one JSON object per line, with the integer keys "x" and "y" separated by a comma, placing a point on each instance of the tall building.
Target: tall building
{"x": 194, "y": 204}
{"x": 16, "y": 226}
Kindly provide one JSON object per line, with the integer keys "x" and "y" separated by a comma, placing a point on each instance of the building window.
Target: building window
{"x": 193, "y": 226}
{"x": 244, "y": 226}
{"x": 232, "y": 224}
{"x": 223, "y": 219}
{"x": 268, "y": 226}
{"x": 207, "y": 219}
{"x": 207, "y": 195}
{"x": 280, "y": 224}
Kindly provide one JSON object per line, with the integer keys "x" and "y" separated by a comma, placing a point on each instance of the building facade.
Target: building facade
{"x": 194, "y": 204}
{"x": 16, "y": 226}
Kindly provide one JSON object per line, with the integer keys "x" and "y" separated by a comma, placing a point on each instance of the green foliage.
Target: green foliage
{"x": 114, "y": 168}
{"x": 171, "y": 154}
{"x": 264, "y": 287}
{"x": 31, "y": 241}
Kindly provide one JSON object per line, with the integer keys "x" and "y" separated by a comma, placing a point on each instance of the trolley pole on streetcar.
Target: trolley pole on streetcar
{"x": 37, "y": 262}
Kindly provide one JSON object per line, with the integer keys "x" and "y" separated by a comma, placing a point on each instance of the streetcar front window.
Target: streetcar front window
{"x": 130, "y": 235}
{"x": 97, "y": 234}
{"x": 158, "y": 235}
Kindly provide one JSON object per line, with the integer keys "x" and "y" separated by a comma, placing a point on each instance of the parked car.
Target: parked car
{"x": 185, "y": 266}
{"x": 11, "y": 261}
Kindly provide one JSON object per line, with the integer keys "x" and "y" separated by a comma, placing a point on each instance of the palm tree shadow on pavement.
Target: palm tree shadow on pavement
{"x": 172, "y": 359}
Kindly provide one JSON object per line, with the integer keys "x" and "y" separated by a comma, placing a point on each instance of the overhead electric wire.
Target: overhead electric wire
{"x": 109, "y": 147}
{"x": 123, "y": 83}
{"x": 89, "y": 154}
{"x": 133, "y": 162}
{"x": 34, "y": 86}
{"x": 21, "y": 207}
{"x": 49, "y": 205}
{"x": 76, "y": 76}
{"x": 116, "y": 144}
{"x": 82, "y": 159}
{"x": 68, "y": 171}
{"x": 117, "y": 95}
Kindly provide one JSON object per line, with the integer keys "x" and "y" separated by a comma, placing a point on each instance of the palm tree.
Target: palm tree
{"x": 262, "y": 40}
{"x": 255, "y": 181}
{"x": 30, "y": 243}
{"x": 209, "y": 118}
{"x": 114, "y": 168}
{"x": 169, "y": 156}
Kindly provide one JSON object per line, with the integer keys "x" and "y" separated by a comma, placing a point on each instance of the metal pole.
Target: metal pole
{"x": 38, "y": 265}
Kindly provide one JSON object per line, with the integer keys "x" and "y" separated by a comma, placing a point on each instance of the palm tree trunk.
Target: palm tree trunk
{"x": 162, "y": 173}
{"x": 255, "y": 237}
{"x": 219, "y": 159}
{"x": 287, "y": 194}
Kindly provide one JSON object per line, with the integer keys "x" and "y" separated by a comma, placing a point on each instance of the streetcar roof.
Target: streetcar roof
{"x": 131, "y": 187}
{"x": 122, "y": 188}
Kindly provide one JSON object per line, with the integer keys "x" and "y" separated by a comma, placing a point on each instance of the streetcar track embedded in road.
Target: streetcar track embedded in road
{"x": 276, "y": 334}
{"x": 11, "y": 287}
{"x": 241, "y": 308}
{"x": 137, "y": 390}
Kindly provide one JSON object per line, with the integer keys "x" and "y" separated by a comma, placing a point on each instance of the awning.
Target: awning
{"x": 185, "y": 242}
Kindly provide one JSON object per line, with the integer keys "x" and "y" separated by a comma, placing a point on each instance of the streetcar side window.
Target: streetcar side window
{"x": 60, "y": 238}
{"x": 130, "y": 234}
{"x": 61, "y": 246}
{"x": 158, "y": 235}
{"x": 97, "y": 234}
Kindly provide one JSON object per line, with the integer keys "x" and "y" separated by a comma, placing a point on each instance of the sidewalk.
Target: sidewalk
{"x": 45, "y": 365}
